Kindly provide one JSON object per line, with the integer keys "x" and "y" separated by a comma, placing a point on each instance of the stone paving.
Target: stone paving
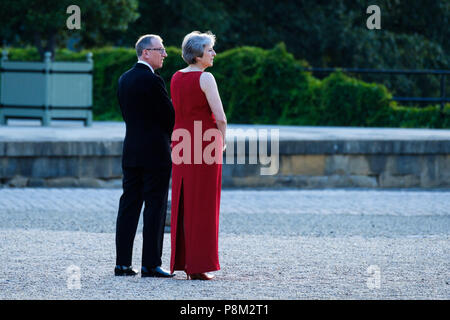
{"x": 284, "y": 244}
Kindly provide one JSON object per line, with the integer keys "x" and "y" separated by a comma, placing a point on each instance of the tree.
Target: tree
{"x": 42, "y": 23}
{"x": 173, "y": 19}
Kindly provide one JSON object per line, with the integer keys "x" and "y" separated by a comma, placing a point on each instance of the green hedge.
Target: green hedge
{"x": 429, "y": 117}
{"x": 346, "y": 101}
{"x": 264, "y": 87}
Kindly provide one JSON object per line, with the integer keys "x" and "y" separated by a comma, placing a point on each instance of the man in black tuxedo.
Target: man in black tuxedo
{"x": 149, "y": 117}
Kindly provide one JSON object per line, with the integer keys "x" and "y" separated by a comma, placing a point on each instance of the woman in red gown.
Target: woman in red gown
{"x": 197, "y": 146}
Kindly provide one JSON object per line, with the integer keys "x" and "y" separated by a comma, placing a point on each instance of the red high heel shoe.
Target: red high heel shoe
{"x": 199, "y": 276}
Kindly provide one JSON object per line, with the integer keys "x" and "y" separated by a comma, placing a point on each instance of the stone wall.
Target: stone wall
{"x": 61, "y": 164}
{"x": 348, "y": 171}
{"x": 302, "y": 164}
{"x": 354, "y": 164}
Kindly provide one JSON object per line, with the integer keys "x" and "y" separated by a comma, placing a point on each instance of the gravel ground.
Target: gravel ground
{"x": 284, "y": 244}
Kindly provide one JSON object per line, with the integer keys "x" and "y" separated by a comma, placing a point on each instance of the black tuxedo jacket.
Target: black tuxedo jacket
{"x": 149, "y": 117}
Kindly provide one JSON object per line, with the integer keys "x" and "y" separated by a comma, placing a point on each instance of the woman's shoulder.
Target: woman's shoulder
{"x": 183, "y": 72}
{"x": 182, "y": 77}
{"x": 187, "y": 70}
{"x": 176, "y": 75}
{"x": 207, "y": 80}
{"x": 207, "y": 77}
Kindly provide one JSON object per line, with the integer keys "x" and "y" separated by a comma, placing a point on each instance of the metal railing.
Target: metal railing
{"x": 441, "y": 100}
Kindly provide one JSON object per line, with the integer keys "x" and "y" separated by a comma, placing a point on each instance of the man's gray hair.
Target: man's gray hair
{"x": 144, "y": 42}
{"x": 193, "y": 45}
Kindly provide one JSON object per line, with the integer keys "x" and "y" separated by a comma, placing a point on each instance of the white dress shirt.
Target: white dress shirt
{"x": 143, "y": 62}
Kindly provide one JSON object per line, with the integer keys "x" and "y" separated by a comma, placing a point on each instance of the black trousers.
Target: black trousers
{"x": 141, "y": 186}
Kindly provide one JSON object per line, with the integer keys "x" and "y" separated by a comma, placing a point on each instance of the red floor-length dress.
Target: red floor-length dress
{"x": 195, "y": 187}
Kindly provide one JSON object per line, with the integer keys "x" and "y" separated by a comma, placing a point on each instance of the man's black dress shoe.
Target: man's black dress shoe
{"x": 157, "y": 272}
{"x": 124, "y": 271}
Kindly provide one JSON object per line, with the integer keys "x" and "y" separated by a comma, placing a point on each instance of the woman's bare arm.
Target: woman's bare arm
{"x": 209, "y": 86}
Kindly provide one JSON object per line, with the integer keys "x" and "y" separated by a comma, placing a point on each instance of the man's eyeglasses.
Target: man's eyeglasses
{"x": 161, "y": 50}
